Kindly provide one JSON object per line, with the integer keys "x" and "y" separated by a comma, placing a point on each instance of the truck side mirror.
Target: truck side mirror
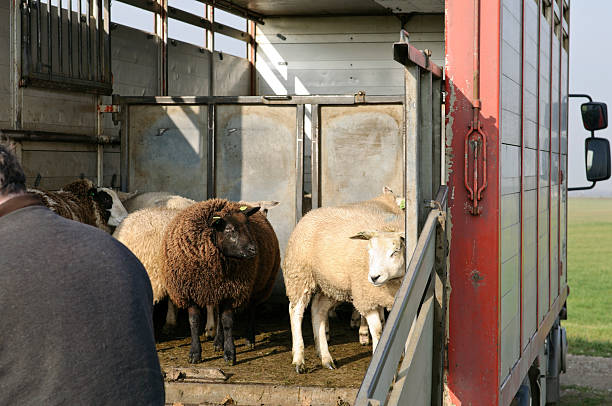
{"x": 594, "y": 115}
{"x": 597, "y": 158}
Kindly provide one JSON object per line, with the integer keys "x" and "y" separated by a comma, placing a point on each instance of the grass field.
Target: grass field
{"x": 589, "y": 252}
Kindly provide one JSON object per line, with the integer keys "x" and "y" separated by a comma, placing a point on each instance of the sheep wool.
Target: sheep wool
{"x": 143, "y": 233}
{"x": 321, "y": 255}
{"x": 196, "y": 271}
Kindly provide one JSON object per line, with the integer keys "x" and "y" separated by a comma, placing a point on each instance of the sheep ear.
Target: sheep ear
{"x": 250, "y": 211}
{"x": 363, "y": 235}
{"x": 387, "y": 189}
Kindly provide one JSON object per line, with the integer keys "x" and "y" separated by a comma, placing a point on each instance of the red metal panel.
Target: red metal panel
{"x": 473, "y": 349}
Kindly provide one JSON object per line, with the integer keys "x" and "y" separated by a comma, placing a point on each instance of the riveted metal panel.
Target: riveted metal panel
{"x": 554, "y": 228}
{"x": 257, "y": 159}
{"x": 563, "y": 224}
{"x": 167, "y": 147}
{"x": 361, "y": 151}
{"x": 544, "y": 84}
{"x": 188, "y": 69}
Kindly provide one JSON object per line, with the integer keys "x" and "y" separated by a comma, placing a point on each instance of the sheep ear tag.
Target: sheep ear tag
{"x": 243, "y": 208}
{"x": 402, "y": 204}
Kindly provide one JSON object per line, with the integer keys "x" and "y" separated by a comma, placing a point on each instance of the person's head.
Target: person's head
{"x": 12, "y": 177}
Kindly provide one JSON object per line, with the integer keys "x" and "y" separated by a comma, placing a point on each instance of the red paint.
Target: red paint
{"x": 473, "y": 348}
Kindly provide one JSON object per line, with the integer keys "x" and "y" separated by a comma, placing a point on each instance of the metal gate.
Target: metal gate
{"x": 252, "y": 148}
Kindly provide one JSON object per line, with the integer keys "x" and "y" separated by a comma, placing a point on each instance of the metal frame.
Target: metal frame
{"x": 420, "y": 275}
{"x": 213, "y": 101}
{"x": 95, "y": 76}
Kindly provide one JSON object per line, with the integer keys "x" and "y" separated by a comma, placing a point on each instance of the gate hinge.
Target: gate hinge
{"x": 109, "y": 108}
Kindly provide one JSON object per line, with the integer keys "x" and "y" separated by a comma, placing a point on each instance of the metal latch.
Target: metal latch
{"x": 476, "y": 143}
{"x": 360, "y": 97}
{"x": 109, "y": 108}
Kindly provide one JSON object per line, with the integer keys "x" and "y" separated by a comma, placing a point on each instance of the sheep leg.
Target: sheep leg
{"x": 319, "y": 310}
{"x": 250, "y": 333}
{"x": 296, "y": 314}
{"x": 209, "y": 330}
{"x": 356, "y": 319}
{"x": 195, "y": 321}
{"x": 374, "y": 322}
{"x": 218, "y": 343}
{"x": 229, "y": 350}
{"x": 364, "y": 333}
{"x": 170, "y": 325}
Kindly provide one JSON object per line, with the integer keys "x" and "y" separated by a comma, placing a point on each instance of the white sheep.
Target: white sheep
{"x": 326, "y": 261}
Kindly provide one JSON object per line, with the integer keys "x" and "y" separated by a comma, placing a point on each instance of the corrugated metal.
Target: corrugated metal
{"x": 369, "y": 135}
{"x": 56, "y": 111}
{"x": 6, "y": 107}
{"x": 339, "y": 54}
{"x": 57, "y": 163}
{"x": 510, "y": 171}
{"x": 134, "y": 62}
{"x": 188, "y": 70}
{"x": 232, "y": 76}
{"x": 168, "y": 150}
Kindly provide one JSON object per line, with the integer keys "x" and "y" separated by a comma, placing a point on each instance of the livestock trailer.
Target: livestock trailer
{"x": 461, "y": 106}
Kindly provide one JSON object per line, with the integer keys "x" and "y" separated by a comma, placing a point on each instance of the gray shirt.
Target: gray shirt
{"x": 76, "y": 316}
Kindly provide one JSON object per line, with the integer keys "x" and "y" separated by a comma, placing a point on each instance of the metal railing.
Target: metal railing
{"x": 409, "y": 332}
{"x": 66, "y": 47}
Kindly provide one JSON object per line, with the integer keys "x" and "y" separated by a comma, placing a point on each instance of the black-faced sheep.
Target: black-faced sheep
{"x": 142, "y": 232}
{"x": 326, "y": 261}
{"x": 223, "y": 254}
{"x": 82, "y": 201}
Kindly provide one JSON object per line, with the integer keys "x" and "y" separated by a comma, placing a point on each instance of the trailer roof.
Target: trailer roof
{"x": 339, "y": 7}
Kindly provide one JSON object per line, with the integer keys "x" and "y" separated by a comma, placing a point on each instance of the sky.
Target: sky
{"x": 590, "y": 59}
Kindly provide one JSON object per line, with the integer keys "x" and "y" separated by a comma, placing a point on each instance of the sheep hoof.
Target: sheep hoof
{"x": 329, "y": 365}
{"x": 217, "y": 347}
{"x": 209, "y": 334}
{"x": 195, "y": 358}
{"x": 250, "y": 345}
{"x": 230, "y": 359}
{"x": 300, "y": 368}
{"x": 364, "y": 340}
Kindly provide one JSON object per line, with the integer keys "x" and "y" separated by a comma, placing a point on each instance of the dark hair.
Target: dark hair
{"x": 12, "y": 178}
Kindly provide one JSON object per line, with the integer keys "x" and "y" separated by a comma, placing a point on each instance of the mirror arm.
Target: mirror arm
{"x": 580, "y": 95}
{"x": 571, "y": 189}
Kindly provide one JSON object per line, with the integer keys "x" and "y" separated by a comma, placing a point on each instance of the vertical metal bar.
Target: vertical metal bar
{"x": 125, "y": 146}
{"x": 210, "y": 43}
{"x": 425, "y": 142}
{"x": 212, "y": 161}
{"x": 412, "y": 190}
{"x": 38, "y": 37}
{"x": 522, "y": 190}
{"x": 100, "y": 164}
{"x": 252, "y": 54}
{"x": 436, "y": 112}
{"x": 70, "y": 64}
{"x": 107, "y": 44}
{"x": 100, "y": 47}
{"x": 538, "y": 174}
{"x": 299, "y": 162}
{"x": 60, "y": 48}
{"x": 49, "y": 40}
{"x": 89, "y": 54}
{"x": 550, "y": 111}
{"x": 560, "y": 96}
{"x": 80, "y": 39}
{"x": 314, "y": 156}
{"x": 26, "y": 37}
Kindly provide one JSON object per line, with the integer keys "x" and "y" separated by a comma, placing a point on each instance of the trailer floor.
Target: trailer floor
{"x": 270, "y": 361}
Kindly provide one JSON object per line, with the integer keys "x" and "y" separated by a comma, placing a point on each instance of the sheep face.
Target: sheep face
{"x": 386, "y": 255}
{"x": 114, "y": 211}
{"x": 233, "y": 236}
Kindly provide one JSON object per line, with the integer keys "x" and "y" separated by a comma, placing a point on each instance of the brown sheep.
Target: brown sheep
{"x": 82, "y": 201}
{"x": 223, "y": 254}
